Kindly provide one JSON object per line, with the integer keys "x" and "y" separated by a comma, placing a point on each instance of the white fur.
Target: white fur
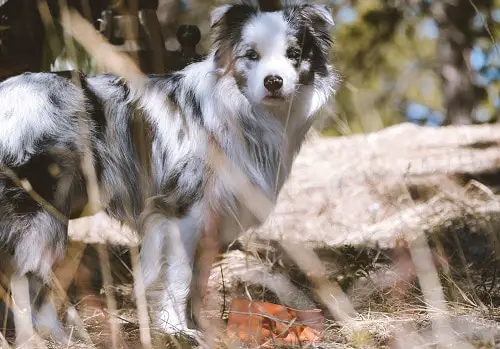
{"x": 26, "y": 114}
{"x": 267, "y": 34}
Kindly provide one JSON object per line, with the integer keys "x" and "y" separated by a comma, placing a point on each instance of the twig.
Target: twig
{"x": 432, "y": 291}
{"x": 140, "y": 296}
{"x": 110, "y": 299}
{"x": 223, "y": 293}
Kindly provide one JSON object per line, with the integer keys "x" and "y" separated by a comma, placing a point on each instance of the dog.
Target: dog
{"x": 254, "y": 96}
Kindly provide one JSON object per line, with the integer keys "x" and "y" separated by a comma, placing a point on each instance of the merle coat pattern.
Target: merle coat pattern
{"x": 255, "y": 95}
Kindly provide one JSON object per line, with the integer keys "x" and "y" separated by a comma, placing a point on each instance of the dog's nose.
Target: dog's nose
{"x": 273, "y": 83}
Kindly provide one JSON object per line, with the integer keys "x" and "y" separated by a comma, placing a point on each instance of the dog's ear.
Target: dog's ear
{"x": 226, "y": 23}
{"x": 218, "y": 13}
{"x": 320, "y": 16}
{"x": 219, "y": 24}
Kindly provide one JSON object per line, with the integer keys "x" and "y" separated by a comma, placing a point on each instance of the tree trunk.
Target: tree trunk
{"x": 453, "y": 46}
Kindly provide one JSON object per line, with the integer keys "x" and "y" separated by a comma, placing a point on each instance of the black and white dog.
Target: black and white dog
{"x": 255, "y": 94}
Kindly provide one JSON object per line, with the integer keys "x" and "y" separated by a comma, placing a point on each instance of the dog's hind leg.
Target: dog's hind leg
{"x": 34, "y": 254}
{"x": 45, "y": 319}
{"x": 34, "y": 237}
{"x": 167, "y": 256}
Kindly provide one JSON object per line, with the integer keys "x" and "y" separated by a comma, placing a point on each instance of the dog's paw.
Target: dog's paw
{"x": 188, "y": 338}
{"x": 175, "y": 327}
{"x": 48, "y": 325}
{"x": 56, "y": 333}
{"x": 195, "y": 337}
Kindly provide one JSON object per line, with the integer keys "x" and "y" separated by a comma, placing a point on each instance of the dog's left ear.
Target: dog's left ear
{"x": 319, "y": 15}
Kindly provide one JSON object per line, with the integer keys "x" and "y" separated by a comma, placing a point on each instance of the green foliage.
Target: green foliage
{"x": 387, "y": 60}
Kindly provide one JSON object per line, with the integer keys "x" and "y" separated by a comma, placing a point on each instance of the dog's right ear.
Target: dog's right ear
{"x": 218, "y": 13}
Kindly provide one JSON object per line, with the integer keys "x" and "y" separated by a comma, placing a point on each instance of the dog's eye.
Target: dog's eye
{"x": 252, "y": 55}
{"x": 293, "y": 53}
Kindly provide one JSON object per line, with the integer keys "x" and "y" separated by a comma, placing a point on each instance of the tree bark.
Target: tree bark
{"x": 453, "y": 46}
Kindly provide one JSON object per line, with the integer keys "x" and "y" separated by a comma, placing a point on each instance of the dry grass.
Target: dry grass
{"x": 373, "y": 298}
{"x": 392, "y": 313}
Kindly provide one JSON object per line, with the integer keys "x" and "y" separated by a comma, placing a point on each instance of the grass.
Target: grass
{"x": 393, "y": 312}
{"x": 371, "y": 298}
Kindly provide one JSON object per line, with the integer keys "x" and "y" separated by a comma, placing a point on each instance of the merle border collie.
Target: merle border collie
{"x": 255, "y": 94}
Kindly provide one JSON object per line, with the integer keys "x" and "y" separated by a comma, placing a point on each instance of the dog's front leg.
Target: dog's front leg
{"x": 167, "y": 256}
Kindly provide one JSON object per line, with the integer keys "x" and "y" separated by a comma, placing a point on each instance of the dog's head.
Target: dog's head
{"x": 272, "y": 50}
